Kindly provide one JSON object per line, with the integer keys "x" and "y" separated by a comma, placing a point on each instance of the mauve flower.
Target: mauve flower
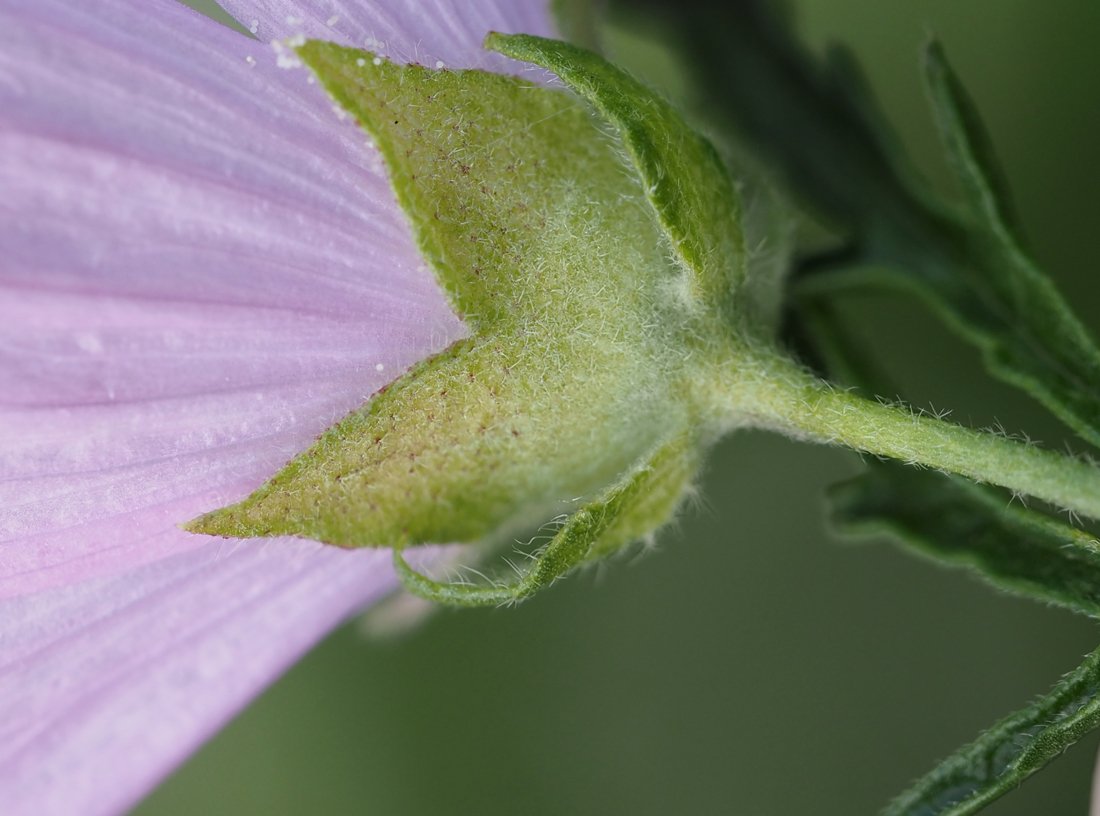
{"x": 201, "y": 267}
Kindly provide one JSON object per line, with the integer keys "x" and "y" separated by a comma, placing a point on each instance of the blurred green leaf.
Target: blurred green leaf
{"x": 1027, "y": 332}
{"x": 1010, "y": 751}
{"x": 958, "y": 522}
{"x": 991, "y": 292}
{"x": 969, "y": 146}
{"x": 817, "y": 128}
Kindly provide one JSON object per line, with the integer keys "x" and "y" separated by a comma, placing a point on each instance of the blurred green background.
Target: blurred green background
{"x": 753, "y": 665}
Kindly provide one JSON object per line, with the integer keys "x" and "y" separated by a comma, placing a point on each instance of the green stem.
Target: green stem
{"x": 774, "y": 392}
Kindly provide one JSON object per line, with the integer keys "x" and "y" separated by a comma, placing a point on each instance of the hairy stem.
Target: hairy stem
{"x": 776, "y": 393}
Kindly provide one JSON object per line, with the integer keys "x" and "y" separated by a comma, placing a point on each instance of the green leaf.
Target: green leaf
{"x": 684, "y": 177}
{"x": 1011, "y": 751}
{"x": 958, "y": 522}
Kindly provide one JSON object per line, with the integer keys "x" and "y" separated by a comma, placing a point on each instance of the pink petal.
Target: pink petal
{"x": 446, "y": 31}
{"x": 202, "y": 268}
{"x": 109, "y": 684}
{"x": 195, "y": 283}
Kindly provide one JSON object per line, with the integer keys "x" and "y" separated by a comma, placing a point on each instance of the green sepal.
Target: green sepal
{"x": 1009, "y": 752}
{"x": 454, "y": 451}
{"x": 684, "y": 177}
{"x": 639, "y": 503}
{"x": 518, "y": 200}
